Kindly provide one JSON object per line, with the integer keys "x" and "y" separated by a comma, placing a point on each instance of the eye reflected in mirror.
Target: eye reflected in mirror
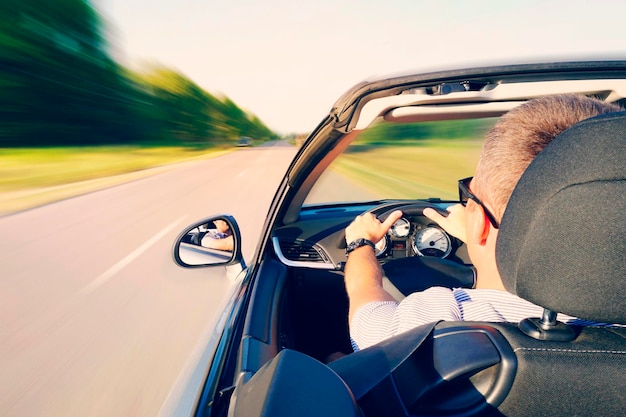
{"x": 209, "y": 242}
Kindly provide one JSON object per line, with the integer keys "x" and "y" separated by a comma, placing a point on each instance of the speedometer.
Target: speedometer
{"x": 432, "y": 241}
{"x": 380, "y": 248}
{"x": 401, "y": 228}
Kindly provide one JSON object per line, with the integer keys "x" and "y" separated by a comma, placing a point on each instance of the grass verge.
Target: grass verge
{"x": 430, "y": 170}
{"x": 30, "y": 177}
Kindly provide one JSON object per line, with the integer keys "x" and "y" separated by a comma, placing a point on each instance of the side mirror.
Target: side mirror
{"x": 210, "y": 242}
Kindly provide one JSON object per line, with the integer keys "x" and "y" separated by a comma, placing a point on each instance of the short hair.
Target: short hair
{"x": 519, "y": 135}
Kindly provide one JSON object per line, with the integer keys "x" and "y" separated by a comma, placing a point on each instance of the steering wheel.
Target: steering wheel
{"x": 416, "y": 273}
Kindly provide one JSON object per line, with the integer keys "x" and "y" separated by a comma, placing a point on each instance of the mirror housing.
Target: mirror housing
{"x": 213, "y": 241}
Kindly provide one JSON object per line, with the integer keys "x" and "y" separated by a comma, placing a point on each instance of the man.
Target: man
{"x": 219, "y": 238}
{"x": 509, "y": 147}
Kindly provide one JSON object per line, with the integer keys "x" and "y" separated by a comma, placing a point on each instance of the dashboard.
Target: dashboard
{"x": 317, "y": 239}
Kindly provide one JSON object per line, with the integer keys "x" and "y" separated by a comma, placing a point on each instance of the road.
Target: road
{"x": 95, "y": 318}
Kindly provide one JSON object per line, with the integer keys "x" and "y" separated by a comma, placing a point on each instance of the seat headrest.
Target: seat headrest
{"x": 562, "y": 240}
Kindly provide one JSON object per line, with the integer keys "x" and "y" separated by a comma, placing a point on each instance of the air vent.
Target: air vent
{"x": 301, "y": 254}
{"x": 301, "y": 251}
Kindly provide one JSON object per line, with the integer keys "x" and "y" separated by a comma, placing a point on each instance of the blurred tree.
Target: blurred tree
{"x": 449, "y": 129}
{"x": 185, "y": 113}
{"x": 59, "y": 86}
{"x": 189, "y": 115}
{"x": 244, "y": 124}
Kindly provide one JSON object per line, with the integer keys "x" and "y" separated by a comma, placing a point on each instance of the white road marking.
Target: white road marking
{"x": 128, "y": 259}
{"x": 241, "y": 173}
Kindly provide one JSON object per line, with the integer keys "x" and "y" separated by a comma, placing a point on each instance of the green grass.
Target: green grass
{"x": 429, "y": 170}
{"x": 33, "y": 176}
{"x": 44, "y": 167}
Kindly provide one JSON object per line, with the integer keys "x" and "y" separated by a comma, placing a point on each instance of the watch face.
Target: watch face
{"x": 353, "y": 245}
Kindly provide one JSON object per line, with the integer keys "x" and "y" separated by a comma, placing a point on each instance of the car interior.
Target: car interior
{"x": 561, "y": 246}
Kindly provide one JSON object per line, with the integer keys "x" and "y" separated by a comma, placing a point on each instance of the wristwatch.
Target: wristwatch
{"x": 358, "y": 243}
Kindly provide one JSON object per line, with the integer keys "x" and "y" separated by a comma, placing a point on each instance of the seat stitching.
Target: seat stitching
{"x": 618, "y": 352}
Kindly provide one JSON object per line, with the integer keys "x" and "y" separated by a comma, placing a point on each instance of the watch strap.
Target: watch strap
{"x": 358, "y": 243}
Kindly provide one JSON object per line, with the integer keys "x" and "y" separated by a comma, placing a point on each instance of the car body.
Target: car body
{"x": 244, "y": 141}
{"x": 399, "y": 142}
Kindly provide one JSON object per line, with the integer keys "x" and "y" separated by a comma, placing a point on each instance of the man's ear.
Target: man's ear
{"x": 478, "y": 225}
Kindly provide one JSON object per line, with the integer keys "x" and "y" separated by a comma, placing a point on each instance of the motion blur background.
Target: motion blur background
{"x": 120, "y": 122}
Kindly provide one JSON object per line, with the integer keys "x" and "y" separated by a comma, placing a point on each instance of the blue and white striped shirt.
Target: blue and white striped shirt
{"x": 379, "y": 320}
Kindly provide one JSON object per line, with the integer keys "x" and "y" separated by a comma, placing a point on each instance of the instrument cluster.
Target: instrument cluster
{"x": 415, "y": 237}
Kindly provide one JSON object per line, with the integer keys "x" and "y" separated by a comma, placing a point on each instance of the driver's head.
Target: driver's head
{"x": 519, "y": 136}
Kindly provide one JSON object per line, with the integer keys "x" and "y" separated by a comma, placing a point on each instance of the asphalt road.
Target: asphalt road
{"x": 95, "y": 318}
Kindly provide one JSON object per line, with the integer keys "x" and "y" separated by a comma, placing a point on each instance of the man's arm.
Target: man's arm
{"x": 363, "y": 274}
{"x": 226, "y": 243}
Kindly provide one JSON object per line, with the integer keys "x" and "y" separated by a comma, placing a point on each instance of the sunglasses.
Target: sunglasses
{"x": 465, "y": 194}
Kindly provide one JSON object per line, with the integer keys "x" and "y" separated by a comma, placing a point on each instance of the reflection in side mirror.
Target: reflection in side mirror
{"x": 212, "y": 241}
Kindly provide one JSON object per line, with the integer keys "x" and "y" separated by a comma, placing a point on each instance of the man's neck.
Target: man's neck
{"x": 489, "y": 280}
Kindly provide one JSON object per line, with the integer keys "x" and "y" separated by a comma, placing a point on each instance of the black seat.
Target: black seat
{"x": 563, "y": 238}
{"x": 562, "y": 245}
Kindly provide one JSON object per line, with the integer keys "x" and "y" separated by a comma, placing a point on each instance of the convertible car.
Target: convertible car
{"x": 282, "y": 348}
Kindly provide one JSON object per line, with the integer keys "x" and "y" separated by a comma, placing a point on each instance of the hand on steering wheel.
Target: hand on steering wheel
{"x": 367, "y": 226}
{"x": 454, "y": 223}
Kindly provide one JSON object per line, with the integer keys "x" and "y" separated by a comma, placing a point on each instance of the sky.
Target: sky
{"x": 287, "y": 61}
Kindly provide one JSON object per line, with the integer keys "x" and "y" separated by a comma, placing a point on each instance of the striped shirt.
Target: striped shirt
{"x": 379, "y": 320}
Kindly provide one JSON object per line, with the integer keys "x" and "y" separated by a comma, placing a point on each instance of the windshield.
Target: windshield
{"x": 404, "y": 161}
